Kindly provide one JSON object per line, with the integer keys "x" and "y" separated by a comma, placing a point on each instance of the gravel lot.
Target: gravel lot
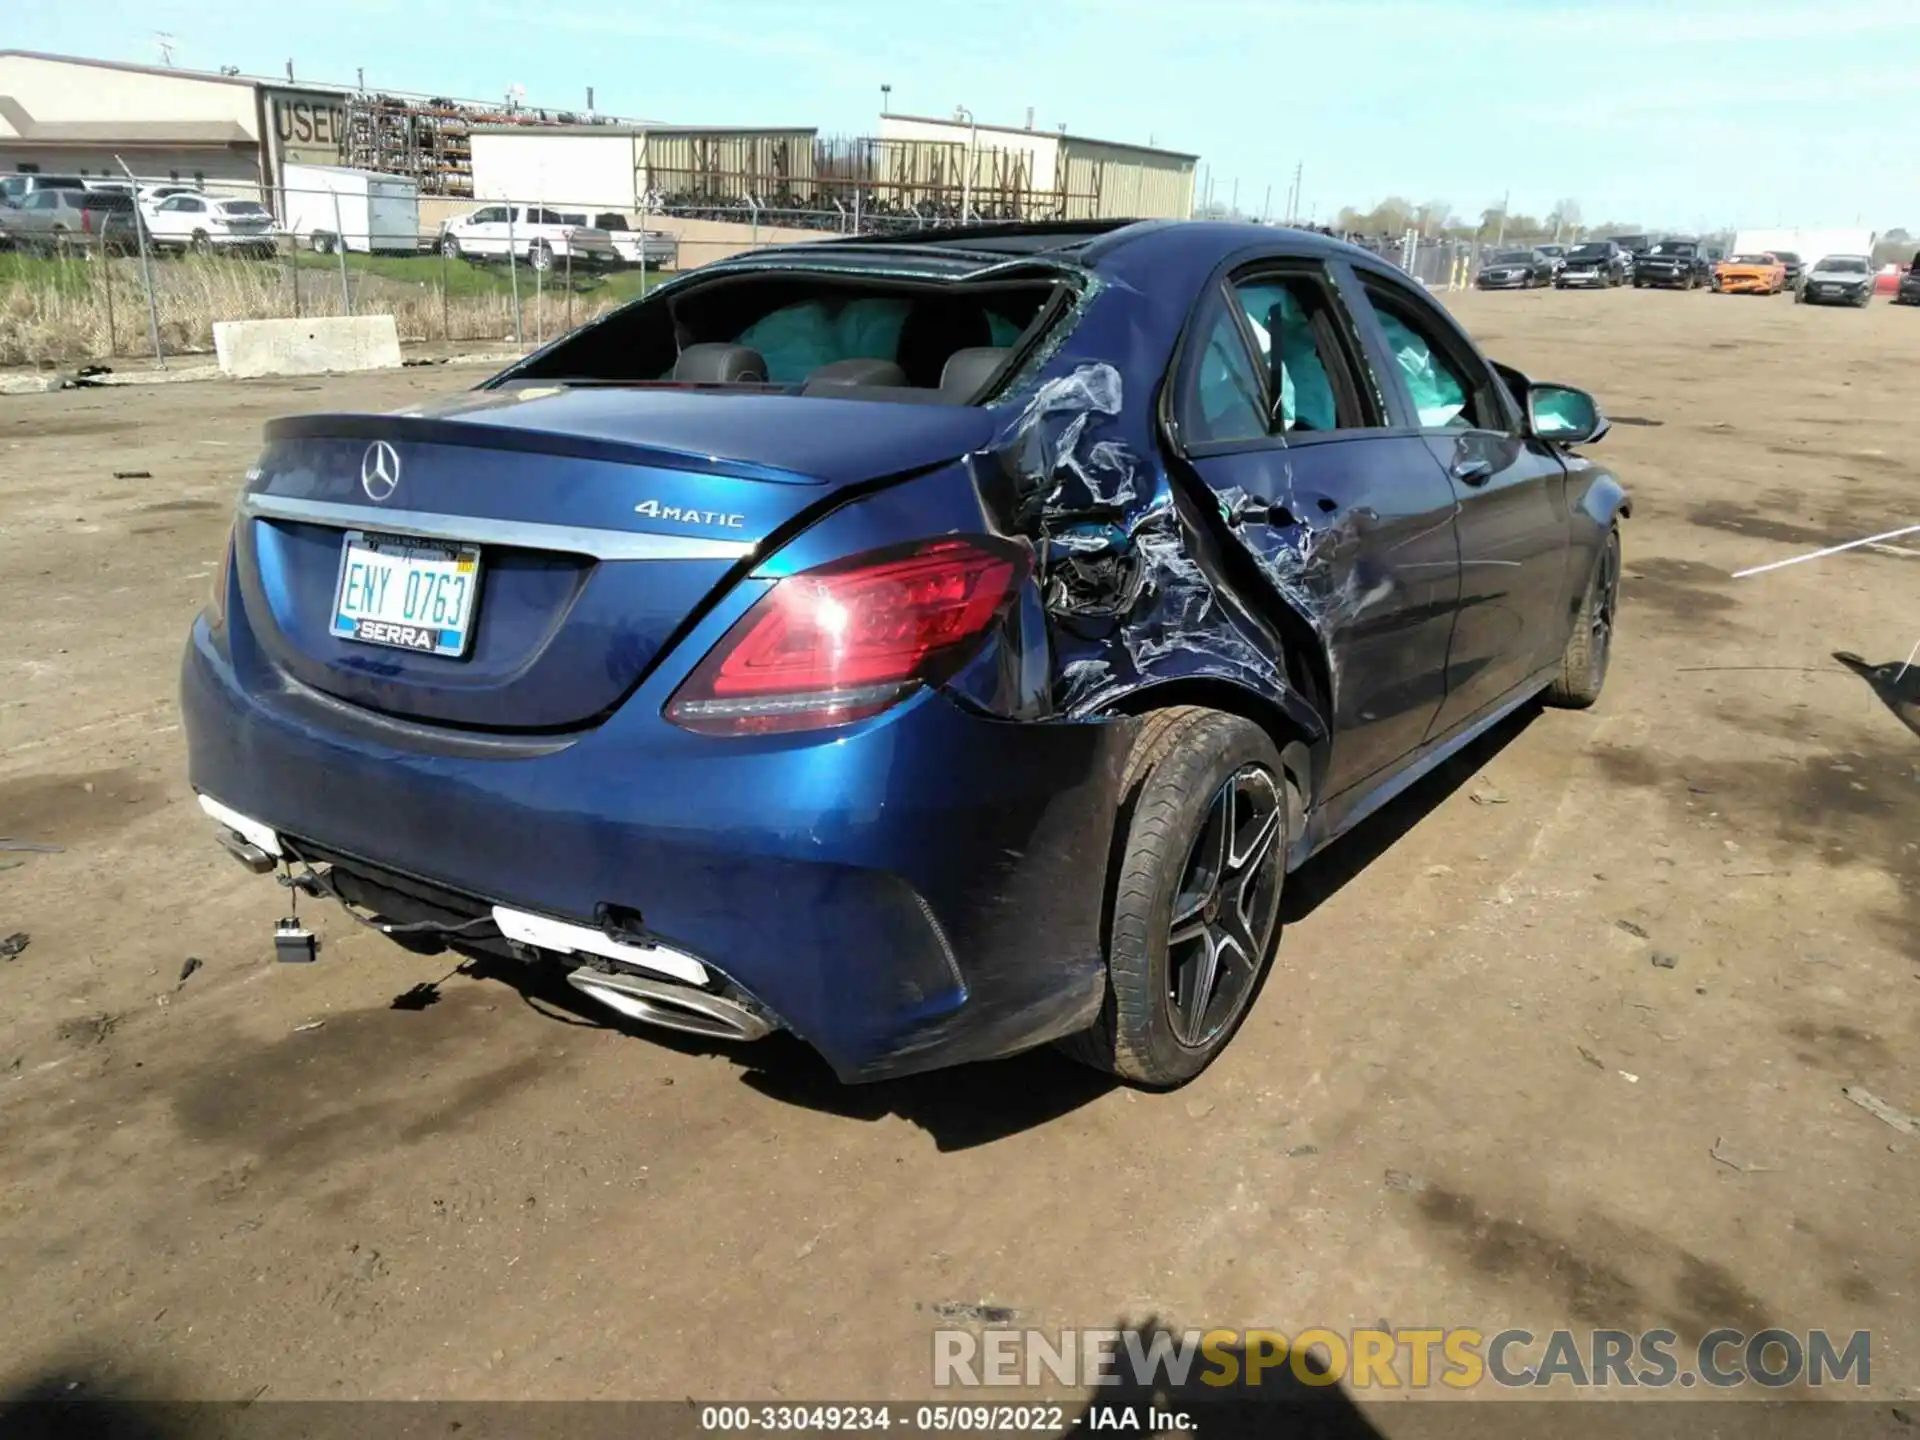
{"x": 1469, "y": 1094}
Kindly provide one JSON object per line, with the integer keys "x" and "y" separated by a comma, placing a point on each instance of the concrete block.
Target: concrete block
{"x": 248, "y": 348}
{"x": 33, "y": 384}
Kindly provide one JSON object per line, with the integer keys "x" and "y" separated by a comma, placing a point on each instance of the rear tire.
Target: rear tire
{"x": 450, "y": 246}
{"x": 540, "y": 255}
{"x": 1583, "y": 665}
{"x": 322, "y": 243}
{"x": 1196, "y": 897}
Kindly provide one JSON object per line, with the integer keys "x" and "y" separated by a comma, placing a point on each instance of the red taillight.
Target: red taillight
{"x": 847, "y": 640}
{"x": 86, "y": 222}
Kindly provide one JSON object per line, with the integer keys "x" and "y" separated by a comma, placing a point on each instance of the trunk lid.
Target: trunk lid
{"x": 604, "y": 518}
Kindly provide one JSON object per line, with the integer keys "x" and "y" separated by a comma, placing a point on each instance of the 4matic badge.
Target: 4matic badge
{"x": 686, "y": 515}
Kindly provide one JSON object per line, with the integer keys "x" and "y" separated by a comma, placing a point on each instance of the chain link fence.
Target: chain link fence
{"x": 104, "y": 275}
{"x": 83, "y": 281}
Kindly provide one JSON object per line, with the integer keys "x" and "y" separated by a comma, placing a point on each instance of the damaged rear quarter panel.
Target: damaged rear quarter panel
{"x": 1138, "y": 606}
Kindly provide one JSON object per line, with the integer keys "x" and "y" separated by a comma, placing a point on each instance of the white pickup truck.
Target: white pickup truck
{"x": 649, "y": 249}
{"x": 544, "y": 238}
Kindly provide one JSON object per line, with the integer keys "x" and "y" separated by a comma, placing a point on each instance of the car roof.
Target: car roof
{"x": 1091, "y": 243}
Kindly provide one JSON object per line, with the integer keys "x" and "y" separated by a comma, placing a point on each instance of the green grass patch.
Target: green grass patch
{"x": 74, "y": 276}
{"x": 67, "y": 274}
{"x": 464, "y": 277}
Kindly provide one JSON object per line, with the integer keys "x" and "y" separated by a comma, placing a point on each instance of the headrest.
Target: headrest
{"x": 719, "y": 364}
{"x": 966, "y": 371}
{"x": 857, "y": 372}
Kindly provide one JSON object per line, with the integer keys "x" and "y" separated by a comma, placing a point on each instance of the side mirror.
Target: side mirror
{"x": 1564, "y": 415}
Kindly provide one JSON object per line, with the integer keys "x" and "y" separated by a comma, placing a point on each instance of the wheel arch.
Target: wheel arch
{"x": 1297, "y": 731}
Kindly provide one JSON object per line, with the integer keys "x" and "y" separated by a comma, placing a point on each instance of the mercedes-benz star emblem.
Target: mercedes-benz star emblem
{"x": 380, "y": 471}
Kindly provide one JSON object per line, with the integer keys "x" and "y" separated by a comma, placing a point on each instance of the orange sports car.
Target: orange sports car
{"x": 1763, "y": 274}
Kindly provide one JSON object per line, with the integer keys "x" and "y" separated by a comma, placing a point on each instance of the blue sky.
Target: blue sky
{"x": 1691, "y": 113}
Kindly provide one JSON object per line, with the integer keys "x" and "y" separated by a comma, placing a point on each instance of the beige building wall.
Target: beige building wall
{"x": 1130, "y": 182}
{"x": 64, "y": 90}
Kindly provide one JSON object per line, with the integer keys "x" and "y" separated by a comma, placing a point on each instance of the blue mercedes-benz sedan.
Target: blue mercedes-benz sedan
{"x": 931, "y": 646}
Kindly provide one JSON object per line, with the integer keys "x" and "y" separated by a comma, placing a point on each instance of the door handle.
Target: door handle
{"x": 1472, "y": 470}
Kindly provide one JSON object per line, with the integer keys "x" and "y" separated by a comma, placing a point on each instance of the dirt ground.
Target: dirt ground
{"x": 1468, "y": 1096}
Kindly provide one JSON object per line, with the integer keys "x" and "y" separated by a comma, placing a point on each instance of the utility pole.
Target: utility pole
{"x": 1236, "y": 197}
{"x": 1266, "y": 206}
{"x": 1500, "y": 238}
{"x": 886, "y": 95}
{"x": 1293, "y": 196}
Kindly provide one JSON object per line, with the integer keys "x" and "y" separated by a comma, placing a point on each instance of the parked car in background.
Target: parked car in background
{"x": 1635, "y": 248}
{"x": 210, "y": 223}
{"x": 14, "y": 189}
{"x": 1750, "y": 274}
{"x": 649, "y": 249}
{"x": 1907, "y": 291}
{"x": 75, "y": 221}
{"x": 931, "y": 646}
{"x": 1673, "y": 264}
{"x": 1514, "y": 270}
{"x": 149, "y": 196}
{"x": 1838, "y": 280}
{"x": 1792, "y": 264}
{"x": 543, "y": 238}
{"x": 1598, "y": 264}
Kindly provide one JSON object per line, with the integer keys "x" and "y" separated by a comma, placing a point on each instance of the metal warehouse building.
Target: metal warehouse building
{"x": 614, "y": 167}
{"x": 63, "y": 114}
{"x": 1051, "y": 172}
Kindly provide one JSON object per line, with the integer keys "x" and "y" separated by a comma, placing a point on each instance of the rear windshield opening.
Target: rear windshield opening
{"x": 845, "y": 335}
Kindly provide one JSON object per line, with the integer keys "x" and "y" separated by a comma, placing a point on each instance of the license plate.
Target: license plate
{"x": 408, "y": 593}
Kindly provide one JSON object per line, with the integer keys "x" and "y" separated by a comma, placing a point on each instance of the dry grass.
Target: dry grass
{"x": 74, "y": 310}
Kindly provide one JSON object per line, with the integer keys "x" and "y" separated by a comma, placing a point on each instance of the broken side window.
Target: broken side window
{"x": 1317, "y": 367}
{"x": 1225, "y": 400}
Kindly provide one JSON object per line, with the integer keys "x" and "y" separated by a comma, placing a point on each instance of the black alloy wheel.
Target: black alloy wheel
{"x": 1224, "y": 909}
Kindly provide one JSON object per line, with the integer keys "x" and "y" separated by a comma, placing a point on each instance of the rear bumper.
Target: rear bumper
{"x": 920, "y": 890}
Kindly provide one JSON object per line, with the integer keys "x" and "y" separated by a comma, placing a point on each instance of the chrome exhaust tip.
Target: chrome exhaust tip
{"x": 245, "y": 851}
{"x": 672, "y": 1007}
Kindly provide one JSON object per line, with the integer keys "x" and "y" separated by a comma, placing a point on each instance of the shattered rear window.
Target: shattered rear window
{"x": 789, "y": 325}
